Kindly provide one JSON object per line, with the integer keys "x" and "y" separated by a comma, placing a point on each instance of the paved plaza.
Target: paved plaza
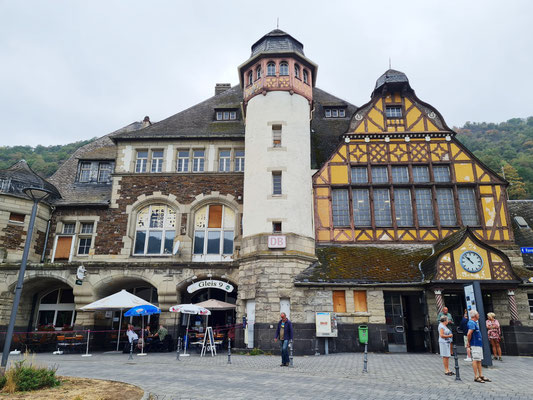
{"x": 337, "y": 376}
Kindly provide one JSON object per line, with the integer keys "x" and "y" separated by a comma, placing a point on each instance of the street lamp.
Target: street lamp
{"x": 37, "y": 195}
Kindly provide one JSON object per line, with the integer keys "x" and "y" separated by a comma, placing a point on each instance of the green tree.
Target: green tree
{"x": 517, "y": 187}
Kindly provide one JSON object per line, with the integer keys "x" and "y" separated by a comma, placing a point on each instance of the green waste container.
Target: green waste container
{"x": 363, "y": 334}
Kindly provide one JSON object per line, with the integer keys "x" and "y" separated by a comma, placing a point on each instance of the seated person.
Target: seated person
{"x": 132, "y": 337}
{"x": 159, "y": 336}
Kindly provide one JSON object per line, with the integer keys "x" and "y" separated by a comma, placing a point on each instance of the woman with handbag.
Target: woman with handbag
{"x": 445, "y": 340}
{"x": 495, "y": 335}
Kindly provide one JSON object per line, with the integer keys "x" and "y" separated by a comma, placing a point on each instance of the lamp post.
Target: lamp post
{"x": 37, "y": 195}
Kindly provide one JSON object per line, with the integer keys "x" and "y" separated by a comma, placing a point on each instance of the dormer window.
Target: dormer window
{"x": 334, "y": 112}
{"x": 284, "y": 68}
{"x": 393, "y": 111}
{"x": 95, "y": 171}
{"x": 297, "y": 71}
{"x": 271, "y": 69}
{"x": 258, "y": 72}
{"x": 226, "y": 115}
{"x": 250, "y": 77}
{"x": 306, "y": 76}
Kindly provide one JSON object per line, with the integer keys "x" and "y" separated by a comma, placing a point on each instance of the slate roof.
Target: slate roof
{"x": 523, "y": 236}
{"x": 366, "y": 264}
{"x": 276, "y": 42}
{"x": 20, "y": 176}
{"x": 429, "y": 265}
{"x": 64, "y": 178}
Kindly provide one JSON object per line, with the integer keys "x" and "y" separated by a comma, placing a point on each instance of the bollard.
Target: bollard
{"x": 131, "y": 350}
{"x": 229, "y": 350}
{"x": 365, "y": 359}
{"x": 291, "y": 362}
{"x": 178, "y": 350}
{"x": 317, "y": 352}
{"x": 457, "y": 376}
{"x": 88, "y": 339}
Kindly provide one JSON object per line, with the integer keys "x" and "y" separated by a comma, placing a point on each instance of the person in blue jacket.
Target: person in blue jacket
{"x": 284, "y": 333}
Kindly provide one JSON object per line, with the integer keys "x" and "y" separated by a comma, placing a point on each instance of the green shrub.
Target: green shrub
{"x": 2, "y": 382}
{"x": 23, "y": 378}
{"x": 256, "y": 352}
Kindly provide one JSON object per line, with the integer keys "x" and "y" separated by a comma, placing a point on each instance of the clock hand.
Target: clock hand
{"x": 469, "y": 259}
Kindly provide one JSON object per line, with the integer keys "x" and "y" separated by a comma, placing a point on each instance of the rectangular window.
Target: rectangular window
{"x": 104, "y": 172}
{"x": 334, "y": 113}
{"x": 530, "y": 301}
{"x": 228, "y": 242}
{"x": 199, "y": 242}
{"x": 276, "y": 227}
{"x": 342, "y": 113}
{"x": 239, "y": 160}
{"x": 393, "y": 111}
{"x": 340, "y": 207}
{"x": 446, "y": 207}
{"x": 219, "y": 115}
{"x": 213, "y": 242}
{"x": 154, "y": 242}
{"x": 232, "y": 115}
{"x": 224, "y": 160}
{"x": 467, "y": 205}
{"x": 339, "y": 301}
{"x": 420, "y": 174}
{"x": 380, "y": 175}
{"x": 441, "y": 173}
{"x": 359, "y": 175}
{"x": 359, "y": 301}
{"x": 226, "y": 115}
{"x": 403, "y": 207}
{"x": 87, "y": 228}
{"x": 400, "y": 174}
{"x": 69, "y": 228}
{"x": 424, "y": 207}
{"x": 85, "y": 172}
{"x": 141, "y": 161}
{"x": 183, "y": 161}
{"x": 84, "y": 246}
{"x": 198, "y": 160}
{"x": 276, "y": 135}
{"x": 16, "y": 217}
{"x": 328, "y": 112}
{"x": 361, "y": 208}
{"x": 63, "y": 245}
{"x": 382, "y": 207}
{"x": 276, "y": 183}
{"x": 157, "y": 160}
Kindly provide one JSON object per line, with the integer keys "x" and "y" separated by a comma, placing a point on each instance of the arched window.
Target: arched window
{"x": 57, "y": 309}
{"x": 306, "y": 76}
{"x": 214, "y": 230}
{"x": 271, "y": 69}
{"x": 284, "y": 68}
{"x": 155, "y": 229}
{"x": 258, "y": 72}
{"x": 296, "y": 70}
{"x": 250, "y": 77}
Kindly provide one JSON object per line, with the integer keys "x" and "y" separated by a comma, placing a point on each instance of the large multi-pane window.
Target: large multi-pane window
{"x": 467, "y": 205}
{"x": 183, "y": 161}
{"x": 400, "y": 174}
{"x": 420, "y": 174}
{"x": 214, "y": 231}
{"x": 382, "y": 207}
{"x": 403, "y": 207}
{"x": 359, "y": 175}
{"x": 157, "y": 160}
{"x": 104, "y": 172}
{"x": 85, "y": 172}
{"x": 155, "y": 229}
{"x": 271, "y": 69}
{"x": 283, "y": 68}
{"x": 340, "y": 207}
{"x": 141, "y": 161}
{"x": 56, "y": 310}
{"x": 239, "y": 160}
{"x": 361, "y": 207}
{"x": 380, "y": 175}
{"x": 224, "y": 160}
{"x": 446, "y": 207}
{"x": 198, "y": 160}
{"x": 441, "y": 173}
{"x": 85, "y": 240}
{"x": 424, "y": 207}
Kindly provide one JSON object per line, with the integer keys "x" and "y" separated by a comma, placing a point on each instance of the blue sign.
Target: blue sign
{"x": 526, "y": 250}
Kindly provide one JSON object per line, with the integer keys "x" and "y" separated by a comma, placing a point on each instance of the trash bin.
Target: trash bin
{"x": 363, "y": 334}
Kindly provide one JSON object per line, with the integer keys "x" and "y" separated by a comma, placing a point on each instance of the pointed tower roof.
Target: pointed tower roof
{"x": 20, "y": 176}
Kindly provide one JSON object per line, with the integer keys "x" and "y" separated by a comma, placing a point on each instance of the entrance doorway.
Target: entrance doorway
{"x": 405, "y": 318}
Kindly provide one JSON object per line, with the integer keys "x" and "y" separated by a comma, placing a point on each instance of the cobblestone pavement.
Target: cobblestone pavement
{"x": 336, "y": 376}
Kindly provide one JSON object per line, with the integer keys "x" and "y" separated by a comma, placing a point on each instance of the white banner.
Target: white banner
{"x": 210, "y": 283}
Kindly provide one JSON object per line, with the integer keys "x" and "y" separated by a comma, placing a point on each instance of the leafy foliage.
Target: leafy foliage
{"x": 505, "y": 148}
{"x": 24, "y": 376}
{"x": 44, "y": 160}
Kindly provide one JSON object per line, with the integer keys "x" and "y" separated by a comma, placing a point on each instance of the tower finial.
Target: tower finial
{"x": 277, "y": 23}
{"x": 389, "y": 63}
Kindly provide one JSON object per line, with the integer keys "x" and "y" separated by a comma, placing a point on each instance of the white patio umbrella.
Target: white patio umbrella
{"x": 213, "y": 304}
{"x": 116, "y": 302}
{"x": 189, "y": 309}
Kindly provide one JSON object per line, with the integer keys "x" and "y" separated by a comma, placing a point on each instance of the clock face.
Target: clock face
{"x": 471, "y": 261}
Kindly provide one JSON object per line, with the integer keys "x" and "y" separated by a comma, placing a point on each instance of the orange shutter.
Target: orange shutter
{"x": 359, "y": 299}
{"x": 63, "y": 247}
{"x": 215, "y": 217}
{"x": 339, "y": 301}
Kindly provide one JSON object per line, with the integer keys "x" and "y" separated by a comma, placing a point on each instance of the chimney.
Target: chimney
{"x": 146, "y": 121}
{"x": 222, "y": 87}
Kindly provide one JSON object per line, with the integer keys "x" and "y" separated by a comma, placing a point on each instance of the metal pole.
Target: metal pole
{"x": 229, "y": 350}
{"x": 365, "y": 359}
{"x": 487, "y": 359}
{"x": 131, "y": 350}
{"x": 456, "y": 358}
{"x": 291, "y": 362}
{"x": 88, "y": 339}
{"x": 317, "y": 353}
{"x": 179, "y": 348}
{"x": 119, "y": 328}
{"x": 18, "y": 289}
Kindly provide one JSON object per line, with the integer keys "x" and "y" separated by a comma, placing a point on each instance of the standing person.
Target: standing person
{"x": 463, "y": 326}
{"x": 495, "y": 335}
{"x": 284, "y": 333}
{"x": 445, "y": 339}
{"x": 475, "y": 343}
{"x": 445, "y": 313}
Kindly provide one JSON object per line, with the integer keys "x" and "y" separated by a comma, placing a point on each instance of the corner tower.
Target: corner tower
{"x": 277, "y": 82}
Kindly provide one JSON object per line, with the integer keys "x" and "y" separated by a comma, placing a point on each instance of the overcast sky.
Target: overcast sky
{"x": 72, "y": 70}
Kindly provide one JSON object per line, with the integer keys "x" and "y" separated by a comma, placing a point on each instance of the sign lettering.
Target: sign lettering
{"x": 210, "y": 283}
{"x": 526, "y": 250}
{"x": 277, "y": 242}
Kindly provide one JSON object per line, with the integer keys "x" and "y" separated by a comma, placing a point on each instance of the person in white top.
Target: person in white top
{"x": 445, "y": 340}
{"x": 132, "y": 336}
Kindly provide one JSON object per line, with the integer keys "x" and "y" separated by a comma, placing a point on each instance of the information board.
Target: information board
{"x": 326, "y": 324}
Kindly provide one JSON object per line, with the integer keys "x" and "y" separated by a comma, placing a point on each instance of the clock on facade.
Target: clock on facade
{"x": 471, "y": 261}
